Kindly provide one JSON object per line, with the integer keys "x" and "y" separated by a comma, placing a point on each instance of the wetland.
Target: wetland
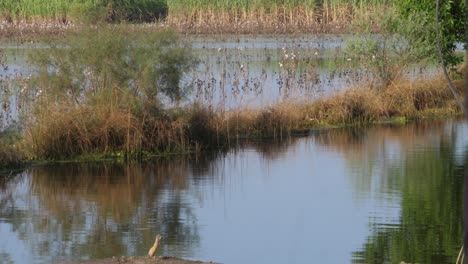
{"x": 238, "y": 133}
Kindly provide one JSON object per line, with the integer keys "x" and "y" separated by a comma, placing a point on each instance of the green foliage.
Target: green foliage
{"x": 112, "y": 65}
{"x": 88, "y": 10}
{"x": 401, "y": 43}
{"x": 430, "y": 221}
{"x": 136, "y": 10}
{"x": 103, "y": 90}
{"x": 452, "y": 21}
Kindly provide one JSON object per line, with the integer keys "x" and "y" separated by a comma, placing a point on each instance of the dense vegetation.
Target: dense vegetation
{"x": 185, "y": 15}
{"x": 107, "y": 99}
{"x": 124, "y": 98}
{"x": 87, "y": 10}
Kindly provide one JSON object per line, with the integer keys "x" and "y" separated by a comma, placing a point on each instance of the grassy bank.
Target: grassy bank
{"x": 71, "y": 131}
{"x": 198, "y": 16}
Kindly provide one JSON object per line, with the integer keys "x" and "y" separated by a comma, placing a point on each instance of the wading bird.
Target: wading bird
{"x": 155, "y": 246}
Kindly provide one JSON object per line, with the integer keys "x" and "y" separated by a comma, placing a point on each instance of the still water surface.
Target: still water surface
{"x": 363, "y": 195}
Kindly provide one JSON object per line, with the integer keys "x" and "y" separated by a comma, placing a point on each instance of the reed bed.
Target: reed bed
{"x": 272, "y": 16}
{"x": 361, "y": 105}
{"x": 204, "y": 16}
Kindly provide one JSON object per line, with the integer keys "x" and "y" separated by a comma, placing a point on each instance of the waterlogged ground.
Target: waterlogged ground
{"x": 258, "y": 71}
{"x": 364, "y": 195}
{"x": 236, "y": 71}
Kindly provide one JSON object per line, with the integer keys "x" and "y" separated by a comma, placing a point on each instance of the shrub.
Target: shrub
{"x": 99, "y": 91}
{"x": 136, "y": 10}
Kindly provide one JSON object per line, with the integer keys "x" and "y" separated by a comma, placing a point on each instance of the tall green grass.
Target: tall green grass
{"x": 132, "y": 10}
{"x": 136, "y": 9}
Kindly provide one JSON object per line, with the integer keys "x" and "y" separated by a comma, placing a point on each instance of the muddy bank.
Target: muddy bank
{"x": 138, "y": 260}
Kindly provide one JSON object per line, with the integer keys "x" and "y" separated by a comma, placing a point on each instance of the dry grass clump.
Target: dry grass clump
{"x": 356, "y": 105}
{"x": 281, "y": 119}
{"x": 67, "y": 131}
{"x": 64, "y": 131}
{"x": 10, "y": 156}
{"x": 164, "y": 133}
{"x": 409, "y": 99}
{"x": 253, "y": 16}
{"x": 210, "y": 127}
{"x": 413, "y": 98}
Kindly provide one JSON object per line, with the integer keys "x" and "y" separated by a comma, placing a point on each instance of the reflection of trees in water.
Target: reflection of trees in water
{"x": 97, "y": 210}
{"x": 7, "y": 183}
{"x": 369, "y": 151}
{"x": 430, "y": 226}
{"x": 271, "y": 149}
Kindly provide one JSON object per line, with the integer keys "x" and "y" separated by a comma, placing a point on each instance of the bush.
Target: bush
{"x": 400, "y": 44}
{"x": 98, "y": 91}
{"x": 136, "y": 10}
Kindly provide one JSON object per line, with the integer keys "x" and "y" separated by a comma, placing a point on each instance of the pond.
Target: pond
{"x": 380, "y": 194}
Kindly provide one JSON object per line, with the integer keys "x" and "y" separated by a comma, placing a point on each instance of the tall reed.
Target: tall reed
{"x": 206, "y": 15}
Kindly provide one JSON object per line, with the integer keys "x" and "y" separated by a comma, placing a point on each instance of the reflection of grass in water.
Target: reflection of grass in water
{"x": 117, "y": 202}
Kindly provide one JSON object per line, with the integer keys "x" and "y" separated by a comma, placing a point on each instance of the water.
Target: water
{"x": 257, "y": 71}
{"x": 365, "y": 195}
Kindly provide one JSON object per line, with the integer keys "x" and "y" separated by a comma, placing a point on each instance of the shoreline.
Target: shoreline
{"x": 119, "y": 157}
{"x": 206, "y": 129}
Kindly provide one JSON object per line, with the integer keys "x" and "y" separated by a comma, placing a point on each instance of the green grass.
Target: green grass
{"x": 111, "y": 10}
{"x": 54, "y": 9}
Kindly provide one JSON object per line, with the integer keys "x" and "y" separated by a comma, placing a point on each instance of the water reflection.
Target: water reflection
{"x": 398, "y": 188}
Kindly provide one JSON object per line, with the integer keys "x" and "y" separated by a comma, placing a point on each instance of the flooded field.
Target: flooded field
{"x": 365, "y": 195}
{"x": 238, "y": 71}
